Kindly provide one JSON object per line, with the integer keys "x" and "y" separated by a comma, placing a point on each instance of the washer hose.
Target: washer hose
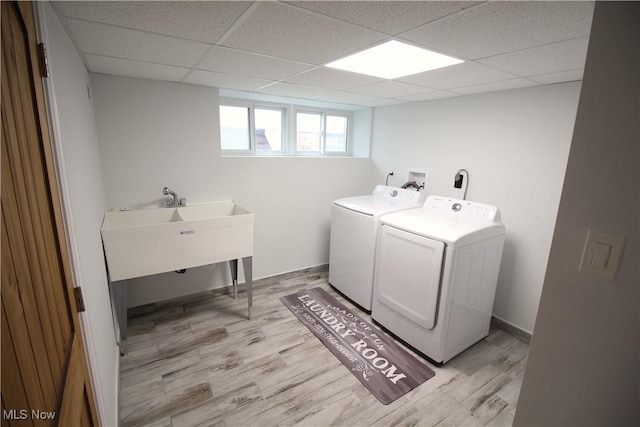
{"x": 412, "y": 184}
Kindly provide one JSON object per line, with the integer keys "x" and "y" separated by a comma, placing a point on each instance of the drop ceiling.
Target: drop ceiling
{"x": 280, "y": 48}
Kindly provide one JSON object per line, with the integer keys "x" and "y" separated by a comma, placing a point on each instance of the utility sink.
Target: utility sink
{"x": 142, "y": 242}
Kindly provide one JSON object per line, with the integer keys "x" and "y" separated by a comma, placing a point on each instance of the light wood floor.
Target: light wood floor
{"x": 198, "y": 361}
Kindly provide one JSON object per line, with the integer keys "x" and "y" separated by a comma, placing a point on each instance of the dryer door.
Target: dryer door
{"x": 408, "y": 270}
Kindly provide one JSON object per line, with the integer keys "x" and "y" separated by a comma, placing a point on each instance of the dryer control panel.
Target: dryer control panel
{"x": 465, "y": 208}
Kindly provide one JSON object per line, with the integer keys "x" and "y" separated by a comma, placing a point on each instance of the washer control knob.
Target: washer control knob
{"x": 394, "y": 193}
{"x": 456, "y": 207}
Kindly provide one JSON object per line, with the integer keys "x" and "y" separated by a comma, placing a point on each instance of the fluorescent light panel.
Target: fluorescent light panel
{"x": 393, "y": 59}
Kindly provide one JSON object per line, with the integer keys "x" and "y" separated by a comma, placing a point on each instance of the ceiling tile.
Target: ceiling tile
{"x": 427, "y": 96}
{"x": 493, "y": 28}
{"x": 289, "y": 32}
{"x": 389, "y": 17}
{"x": 390, "y": 89}
{"x": 333, "y": 79}
{"x": 551, "y": 58}
{"x": 203, "y": 21}
{"x": 383, "y": 102}
{"x": 294, "y": 91}
{"x": 495, "y": 86}
{"x": 107, "y": 40}
{"x": 232, "y": 61}
{"x": 128, "y": 67}
{"x": 562, "y": 76}
{"x": 227, "y": 81}
{"x": 465, "y": 74}
{"x": 347, "y": 98}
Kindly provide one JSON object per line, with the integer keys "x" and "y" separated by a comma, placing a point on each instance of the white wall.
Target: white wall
{"x": 584, "y": 362}
{"x": 515, "y": 145}
{"x": 154, "y": 134}
{"x": 84, "y": 204}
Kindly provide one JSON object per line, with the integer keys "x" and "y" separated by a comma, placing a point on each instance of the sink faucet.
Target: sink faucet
{"x": 174, "y": 201}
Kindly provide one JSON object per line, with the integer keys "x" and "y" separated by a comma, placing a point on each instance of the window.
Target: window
{"x": 251, "y": 129}
{"x": 336, "y": 134}
{"x": 309, "y": 132}
{"x": 248, "y": 128}
{"x": 320, "y": 132}
{"x": 234, "y": 128}
{"x": 268, "y": 129}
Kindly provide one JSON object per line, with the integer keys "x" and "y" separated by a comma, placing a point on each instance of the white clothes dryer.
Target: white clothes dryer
{"x": 354, "y": 225}
{"x": 436, "y": 274}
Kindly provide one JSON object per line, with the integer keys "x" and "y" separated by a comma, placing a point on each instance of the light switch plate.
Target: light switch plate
{"x": 602, "y": 254}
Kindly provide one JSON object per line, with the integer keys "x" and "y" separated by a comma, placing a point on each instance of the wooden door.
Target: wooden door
{"x": 45, "y": 378}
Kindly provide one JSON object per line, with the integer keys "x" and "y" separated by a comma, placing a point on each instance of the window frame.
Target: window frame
{"x": 283, "y": 130}
{"x": 289, "y": 129}
{"x": 347, "y": 141}
{"x": 227, "y": 150}
{"x": 252, "y": 106}
{"x": 323, "y": 112}
{"x": 295, "y": 132}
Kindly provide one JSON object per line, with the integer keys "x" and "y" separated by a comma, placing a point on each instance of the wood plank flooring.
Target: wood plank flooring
{"x": 197, "y": 361}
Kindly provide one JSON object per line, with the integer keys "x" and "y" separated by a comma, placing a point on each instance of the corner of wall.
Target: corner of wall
{"x": 584, "y": 361}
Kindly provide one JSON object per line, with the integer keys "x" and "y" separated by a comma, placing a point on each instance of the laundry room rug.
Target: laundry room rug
{"x": 381, "y": 365}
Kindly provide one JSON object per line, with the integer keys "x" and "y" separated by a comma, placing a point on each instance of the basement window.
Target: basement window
{"x": 251, "y": 129}
{"x": 263, "y": 129}
{"x": 321, "y": 132}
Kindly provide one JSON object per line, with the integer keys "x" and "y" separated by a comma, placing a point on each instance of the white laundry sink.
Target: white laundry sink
{"x": 141, "y": 242}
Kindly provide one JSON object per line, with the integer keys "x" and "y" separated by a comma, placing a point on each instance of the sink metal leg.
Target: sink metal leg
{"x": 247, "y": 265}
{"x": 233, "y": 264}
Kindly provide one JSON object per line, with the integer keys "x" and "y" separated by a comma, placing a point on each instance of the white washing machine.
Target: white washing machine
{"x": 354, "y": 224}
{"x": 436, "y": 274}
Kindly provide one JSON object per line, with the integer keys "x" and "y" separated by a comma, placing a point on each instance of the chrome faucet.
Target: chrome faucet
{"x": 175, "y": 200}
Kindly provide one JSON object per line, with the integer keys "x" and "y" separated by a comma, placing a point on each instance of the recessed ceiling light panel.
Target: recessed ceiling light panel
{"x": 393, "y": 59}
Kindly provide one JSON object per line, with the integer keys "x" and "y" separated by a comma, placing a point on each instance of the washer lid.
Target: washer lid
{"x": 454, "y": 222}
{"x": 383, "y": 200}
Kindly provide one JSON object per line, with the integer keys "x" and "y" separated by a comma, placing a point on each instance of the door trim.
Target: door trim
{"x": 43, "y": 36}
